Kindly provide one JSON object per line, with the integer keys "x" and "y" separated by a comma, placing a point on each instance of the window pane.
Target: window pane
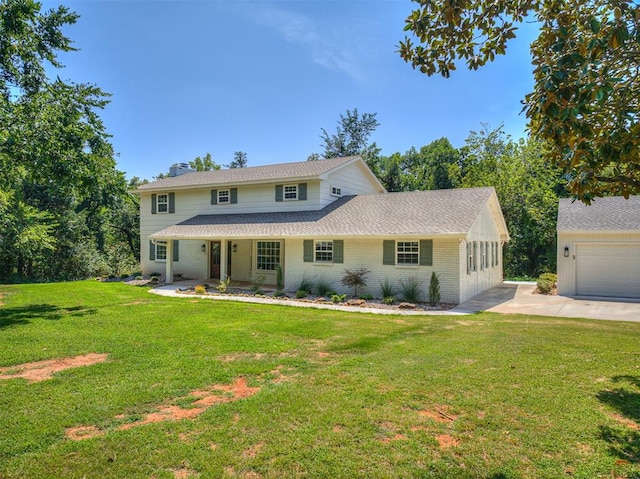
{"x": 324, "y": 251}
{"x": 223, "y": 196}
{"x": 291, "y": 192}
{"x": 161, "y": 251}
{"x": 408, "y": 252}
{"x": 163, "y": 203}
{"x": 268, "y": 257}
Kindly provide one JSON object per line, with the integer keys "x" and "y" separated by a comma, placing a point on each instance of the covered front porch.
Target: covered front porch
{"x": 244, "y": 260}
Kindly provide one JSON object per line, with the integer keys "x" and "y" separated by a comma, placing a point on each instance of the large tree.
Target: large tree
{"x": 58, "y": 178}
{"x": 352, "y": 138}
{"x": 586, "y": 99}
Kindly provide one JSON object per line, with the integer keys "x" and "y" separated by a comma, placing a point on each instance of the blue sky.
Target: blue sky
{"x": 218, "y": 76}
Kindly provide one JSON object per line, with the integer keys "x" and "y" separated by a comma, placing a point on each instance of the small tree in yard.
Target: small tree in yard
{"x": 355, "y": 278}
{"x": 434, "y": 289}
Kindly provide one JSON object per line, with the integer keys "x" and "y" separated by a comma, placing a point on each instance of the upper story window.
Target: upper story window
{"x": 407, "y": 252}
{"x": 336, "y": 191}
{"x": 224, "y": 196}
{"x": 324, "y": 251}
{"x": 290, "y": 192}
{"x": 228, "y": 196}
{"x": 162, "y": 203}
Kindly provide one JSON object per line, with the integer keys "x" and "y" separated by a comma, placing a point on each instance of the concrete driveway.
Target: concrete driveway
{"x": 519, "y": 298}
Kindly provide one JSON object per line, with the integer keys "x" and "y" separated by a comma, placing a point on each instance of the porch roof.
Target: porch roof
{"x": 426, "y": 213}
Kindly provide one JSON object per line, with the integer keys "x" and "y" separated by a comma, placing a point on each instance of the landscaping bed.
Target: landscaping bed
{"x": 361, "y": 302}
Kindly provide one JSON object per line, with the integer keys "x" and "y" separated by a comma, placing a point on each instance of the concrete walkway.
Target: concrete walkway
{"x": 516, "y": 298}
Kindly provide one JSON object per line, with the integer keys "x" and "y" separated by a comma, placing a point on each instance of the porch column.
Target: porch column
{"x": 223, "y": 259}
{"x": 169, "y": 263}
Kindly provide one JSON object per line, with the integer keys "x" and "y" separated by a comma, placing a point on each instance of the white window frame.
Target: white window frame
{"x": 471, "y": 258}
{"x": 161, "y": 251}
{"x": 336, "y": 191}
{"x": 408, "y": 250}
{"x": 323, "y": 251}
{"x": 265, "y": 255}
{"x": 224, "y": 197}
{"x": 162, "y": 203}
{"x": 290, "y": 193}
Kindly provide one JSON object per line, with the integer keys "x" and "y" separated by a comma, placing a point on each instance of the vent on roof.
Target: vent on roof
{"x": 178, "y": 169}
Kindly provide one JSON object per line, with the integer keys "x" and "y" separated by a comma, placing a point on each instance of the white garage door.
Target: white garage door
{"x": 608, "y": 269}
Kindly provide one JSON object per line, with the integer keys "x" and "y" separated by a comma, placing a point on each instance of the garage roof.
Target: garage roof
{"x": 613, "y": 213}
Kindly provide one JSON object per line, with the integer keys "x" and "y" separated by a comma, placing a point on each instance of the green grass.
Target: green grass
{"x": 363, "y": 396}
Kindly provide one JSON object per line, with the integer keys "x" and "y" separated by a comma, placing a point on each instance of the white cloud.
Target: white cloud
{"x": 329, "y": 46}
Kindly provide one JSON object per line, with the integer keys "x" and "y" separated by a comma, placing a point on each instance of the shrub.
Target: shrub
{"x": 388, "y": 300}
{"x": 279, "y": 293}
{"x": 330, "y": 293}
{"x": 200, "y": 289}
{"x": 323, "y": 287}
{"x": 355, "y": 278}
{"x": 139, "y": 278}
{"x": 279, "y": 278}
{"x": 224, "y": 284}
{"x": 306, "y": 285}
{"x": 544, "y": 286}
{"x": 301, "y": 293}
{"x": 338, "y": 298}
{"x": 546, "y": 282}
{"x": 549, "y": 277}
{"x": 366, "y": 297}
{"x": 434, "y": 289}
{"x": 387, "y": 288}
{"x": 410, "y": 289}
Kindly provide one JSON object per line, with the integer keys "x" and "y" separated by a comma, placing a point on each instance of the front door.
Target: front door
{"x": 215, "y": 259}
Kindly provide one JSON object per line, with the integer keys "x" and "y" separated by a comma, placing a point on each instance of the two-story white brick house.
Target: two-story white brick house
{"x": 316, "y": 219}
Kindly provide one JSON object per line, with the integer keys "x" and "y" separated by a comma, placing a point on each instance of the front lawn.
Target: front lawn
{"x": 194, "y": 388}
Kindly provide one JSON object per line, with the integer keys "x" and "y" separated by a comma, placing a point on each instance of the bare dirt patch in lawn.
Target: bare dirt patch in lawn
{"x": 204, "y": 399}
{"x": 43, "y": 370}
{"x": 438, "y": 414}
{"x": 445, "y": 441}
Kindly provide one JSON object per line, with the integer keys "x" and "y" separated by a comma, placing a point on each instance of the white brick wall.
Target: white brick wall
{"x": 367, "y": 253}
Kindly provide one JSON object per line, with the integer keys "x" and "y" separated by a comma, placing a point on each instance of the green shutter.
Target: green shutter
{"x": 152, "y": 250}
{"x": 176, "y": 250}
{"x": 426, "y": 252}
{"x": 338, "y": 251}
{"x": 308, "y": 251}
{"x": 468, "y": 254}
{"x": 234, "y": 196}
{"x": 302, "y": 192}
{"x": 388, "y": 252}
{"x": 153, "y": 204}
{"x": 172, "y": 202}
{"x": 214, "y": 197}
{"x": 278, "y": 192}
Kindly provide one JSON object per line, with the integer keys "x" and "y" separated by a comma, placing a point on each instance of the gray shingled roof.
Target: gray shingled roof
{"x": 441, "y": 212}
{"x": 252, "y": 174}
{"x": 604, "y": 214}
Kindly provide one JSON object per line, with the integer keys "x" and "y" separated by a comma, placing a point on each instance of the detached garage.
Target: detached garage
{"x": 599, "y": 247}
